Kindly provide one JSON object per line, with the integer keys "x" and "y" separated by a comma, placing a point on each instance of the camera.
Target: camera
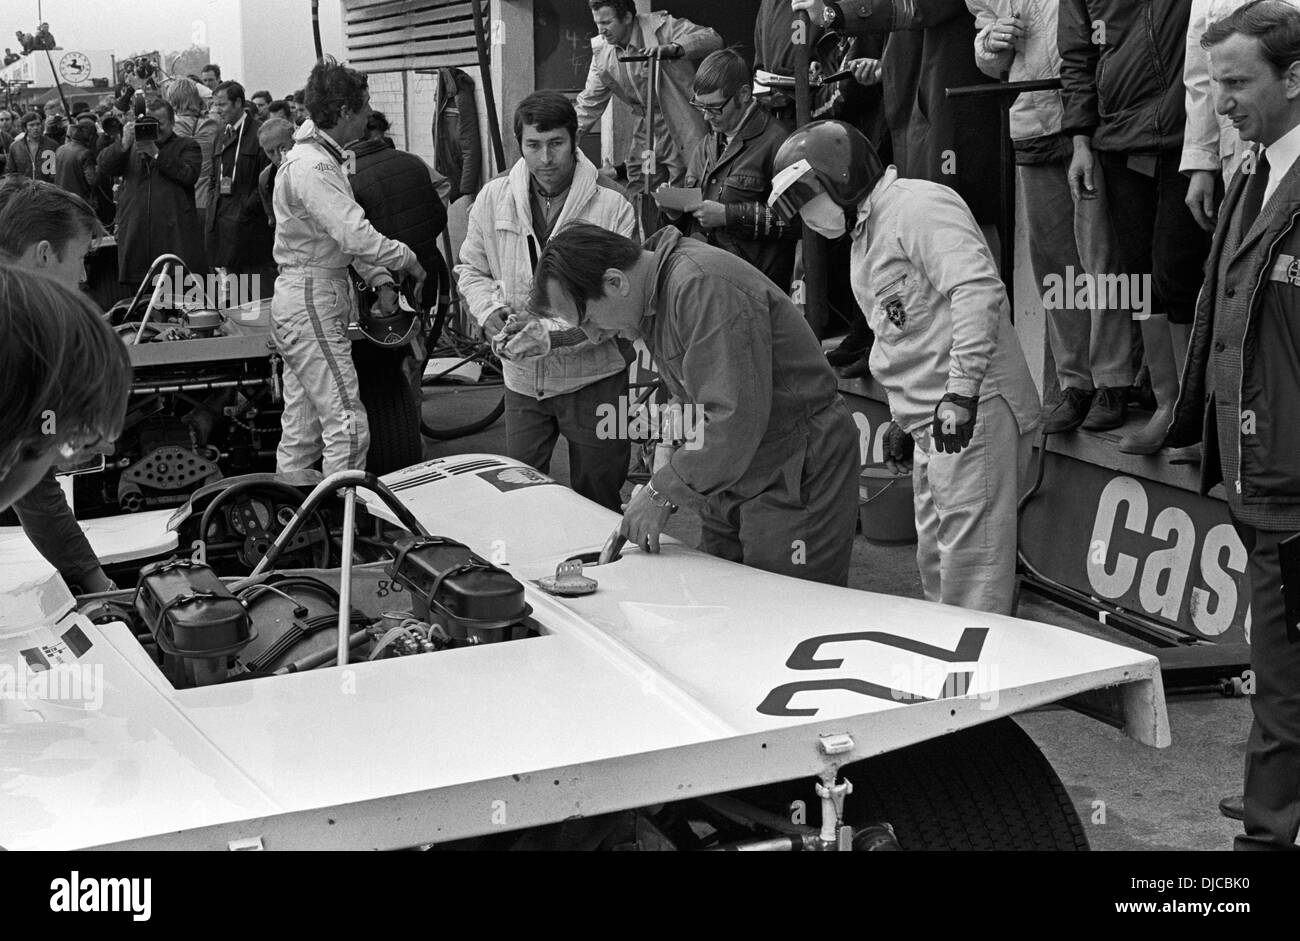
{"x": 146, "y": 131}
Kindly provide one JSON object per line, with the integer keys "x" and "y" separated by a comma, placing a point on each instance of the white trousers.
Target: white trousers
{"x": 966, "y": 512}
{"x": 323, "y": 416}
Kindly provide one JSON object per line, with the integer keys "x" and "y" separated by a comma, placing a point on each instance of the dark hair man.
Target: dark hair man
{"x": 261, "y": 100}
{"x": 75, "y": 167}
{"x": 960, "y": 392}
{"x": 155, "y": 207}
{"x": 33, "y": 154}
{"x": 552, "y": 185}
{"x": 211, "y": 76}
{"x": 733, "y": 167}
{"x": 773, "y": 465}
{"x": 281, "y": 109}
{"x": 678, "y": 128}
{"x": 48, "y": 231}
{"x": 238, "y": 238}
{"x": 1242, "y": 382}
{"x": 319, "y": 231}
{"x": 397, "y": 193}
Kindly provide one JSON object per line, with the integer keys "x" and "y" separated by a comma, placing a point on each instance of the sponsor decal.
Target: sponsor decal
{"x": 516, "y": 478}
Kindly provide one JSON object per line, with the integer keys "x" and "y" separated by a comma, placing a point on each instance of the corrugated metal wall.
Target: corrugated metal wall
{"x": 388, "y": 36}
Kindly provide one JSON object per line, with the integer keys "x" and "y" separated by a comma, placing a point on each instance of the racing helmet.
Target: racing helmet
{"x": 823, "y": 157}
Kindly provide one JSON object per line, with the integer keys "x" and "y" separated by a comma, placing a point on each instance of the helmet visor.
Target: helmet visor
{"x": 792, "y": 188}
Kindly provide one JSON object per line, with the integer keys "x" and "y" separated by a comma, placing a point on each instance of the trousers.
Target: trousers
{"x": 597, "y": 467}
{"x": 1092, "y": 348}
{"x": 324, "y": 419}
{"x": 966, "y": 512}
{"x": 1272, "y": 805}
{"x": 802, "y": 520}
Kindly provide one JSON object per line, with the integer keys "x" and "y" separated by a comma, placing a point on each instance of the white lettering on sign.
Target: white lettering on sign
{"x": 1166, "y": 569}
{"x": 871, "y": 442}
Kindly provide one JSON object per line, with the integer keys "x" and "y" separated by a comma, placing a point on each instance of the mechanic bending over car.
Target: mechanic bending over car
{"x": 963, "y": 402}
{"x": 319, "y": 231}
{"x": 773, "y": 467}
{"x": 51, "y": 338}
{"x": 47, "y": 231}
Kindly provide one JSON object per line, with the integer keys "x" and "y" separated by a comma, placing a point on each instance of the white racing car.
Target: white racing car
{"x": 685, "y": 703}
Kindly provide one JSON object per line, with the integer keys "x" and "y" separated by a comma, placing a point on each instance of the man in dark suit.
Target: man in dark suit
{"x": 238, "y": 237}
{"x": 1242, "y": 382}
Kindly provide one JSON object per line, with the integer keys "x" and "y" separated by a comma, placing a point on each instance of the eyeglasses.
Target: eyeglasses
{"x": 714, "y": 110}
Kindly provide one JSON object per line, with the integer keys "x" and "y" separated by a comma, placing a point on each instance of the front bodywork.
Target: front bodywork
{"x": 682, "y": 676}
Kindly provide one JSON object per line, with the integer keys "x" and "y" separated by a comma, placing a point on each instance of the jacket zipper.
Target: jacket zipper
{"x": 1241, "y": 372}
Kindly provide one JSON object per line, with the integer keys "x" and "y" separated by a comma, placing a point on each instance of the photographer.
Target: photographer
{"x": 155, "y": 208}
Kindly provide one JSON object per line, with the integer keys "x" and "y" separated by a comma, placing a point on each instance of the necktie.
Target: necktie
{"x": 1252, "y": 200}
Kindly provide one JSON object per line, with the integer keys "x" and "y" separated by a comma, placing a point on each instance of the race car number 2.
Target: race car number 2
{"x": 778, "y": 701}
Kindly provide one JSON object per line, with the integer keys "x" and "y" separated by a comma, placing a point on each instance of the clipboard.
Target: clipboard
{"x": 679, "y": 199}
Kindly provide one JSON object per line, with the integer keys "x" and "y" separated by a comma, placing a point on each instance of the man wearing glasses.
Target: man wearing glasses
{"x": 48, "y": 231}
{"x": 733, "y": 168}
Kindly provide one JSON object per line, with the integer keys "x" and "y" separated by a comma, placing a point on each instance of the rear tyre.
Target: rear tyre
{"x": 392, "y": 408}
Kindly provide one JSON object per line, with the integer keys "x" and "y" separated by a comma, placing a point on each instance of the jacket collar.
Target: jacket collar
{"x": 752, "y": 125}
{"x": 310, "y": 133}
{"x": 1275, "y": 214}
{"x": 364, "y": 148}
{"x": 581, "y": 190}
{"x": 663, "y": 243}
{"x": 871, "y": 203}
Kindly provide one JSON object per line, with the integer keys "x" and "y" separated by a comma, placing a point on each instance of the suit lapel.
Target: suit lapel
{"x": 1280, "y": 206}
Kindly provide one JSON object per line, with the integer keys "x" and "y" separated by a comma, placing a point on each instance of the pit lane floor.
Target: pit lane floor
{"x": 1129, "y": 797}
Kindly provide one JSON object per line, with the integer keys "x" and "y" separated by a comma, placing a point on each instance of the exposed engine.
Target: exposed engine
{"x": 202, "y": 630}
{"x": 205, "y": 404}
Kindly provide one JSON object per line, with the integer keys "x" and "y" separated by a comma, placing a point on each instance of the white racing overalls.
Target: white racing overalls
{"x": 320, "y": 231}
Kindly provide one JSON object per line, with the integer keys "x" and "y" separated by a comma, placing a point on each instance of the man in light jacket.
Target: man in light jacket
{"x": 513, "y": 217}
{"x": 678, "y": 127}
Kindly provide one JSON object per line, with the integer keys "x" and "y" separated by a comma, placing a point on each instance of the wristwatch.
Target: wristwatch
{"x": 832, "y": 16}
{"x": 658, "y": 499}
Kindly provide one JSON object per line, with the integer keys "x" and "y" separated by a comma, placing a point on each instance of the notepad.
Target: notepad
{"x": 679, "y": 199}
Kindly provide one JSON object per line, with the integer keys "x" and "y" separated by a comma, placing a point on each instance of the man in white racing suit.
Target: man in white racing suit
{"x": 320, "y": 231}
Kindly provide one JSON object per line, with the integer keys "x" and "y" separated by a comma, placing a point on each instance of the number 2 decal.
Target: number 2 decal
{"x": 968, "y": 650}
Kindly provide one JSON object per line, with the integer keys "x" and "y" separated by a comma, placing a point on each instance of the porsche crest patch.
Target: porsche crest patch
{"x": 895, "y": 312}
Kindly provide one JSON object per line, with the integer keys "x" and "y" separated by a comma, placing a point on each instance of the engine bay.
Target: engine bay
{"x": 201, "y": 629}
{"x": 267, "y": 568}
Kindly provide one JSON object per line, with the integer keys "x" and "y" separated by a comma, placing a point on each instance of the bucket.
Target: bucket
{"x": 886, "y": 511}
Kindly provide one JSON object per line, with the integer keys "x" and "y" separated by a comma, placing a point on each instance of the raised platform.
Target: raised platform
{"x": 1124, "y": 538}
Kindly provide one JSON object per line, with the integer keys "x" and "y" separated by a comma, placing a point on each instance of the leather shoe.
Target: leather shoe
{"x": 1109, "y": 410}
{"x": 1233, "y": 807}
{"x": 860, "y": 368}
{"x": 846, "y": 354}
{"x": 1069, "y": 412}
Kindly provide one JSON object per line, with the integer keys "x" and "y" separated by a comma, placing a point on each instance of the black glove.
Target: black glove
{"x": 898, "y": 444}
{"x": 950, "y": 437}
